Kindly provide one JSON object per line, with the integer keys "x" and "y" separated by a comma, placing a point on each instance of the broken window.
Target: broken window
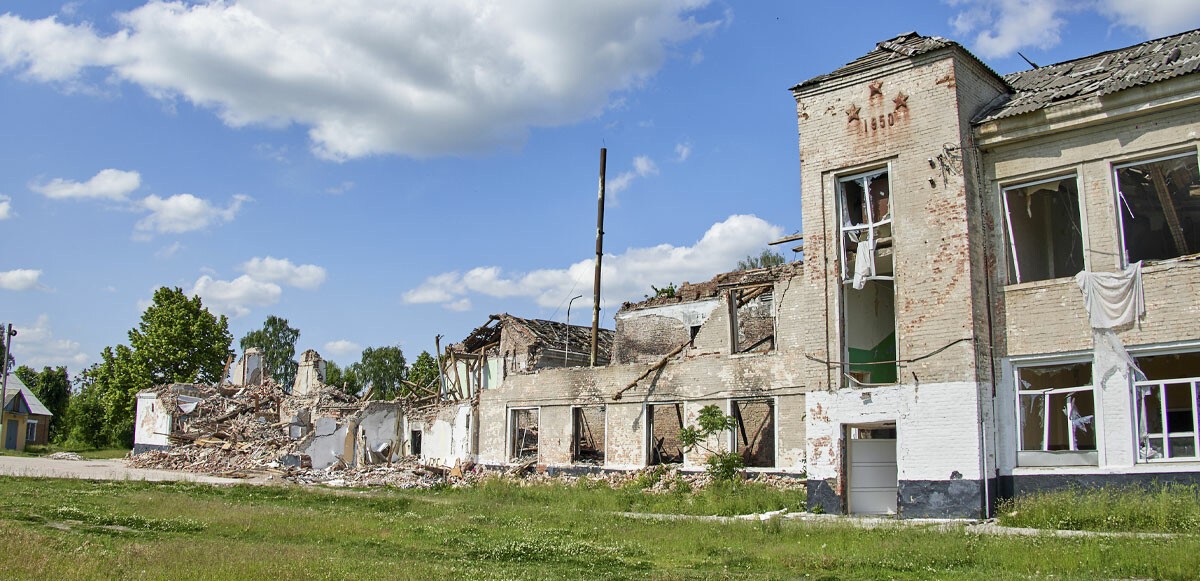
{"x": 1168, "y": 408}
{"x": 1045, "y": 238}
{"x": 751, "y": 318}
{"x": 588, "y": 439}
{"x": 524, "y": 435}
{"x": 866, "y": 227}
{"x": 666, "y": 421}
{"x": 754, "y": 435}
{"x": 1159, "y": 203}
{"x": 415, "y": 441}
{"x": 868, "y": 289}
{"x": 1056, "y": 407}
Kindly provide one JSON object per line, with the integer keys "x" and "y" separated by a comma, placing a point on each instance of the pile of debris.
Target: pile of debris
{"x": 222, "y": 430}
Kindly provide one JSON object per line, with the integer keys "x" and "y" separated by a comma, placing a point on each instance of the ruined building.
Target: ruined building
{"x": 1000, "y": 293}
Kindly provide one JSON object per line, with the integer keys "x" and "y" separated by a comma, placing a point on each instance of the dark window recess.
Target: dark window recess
{"x": 1160, "y": 208}
{"x": 588, "y": 435}
{"x": 870, "y": 333}
{"x": 693, "y": 331}
{"x": 666, "y": 421}
{"x": 525, "y": 435}
{"x": 754, "y": 435}
{"x": 415, "y": 439}
{"x": 751, "y": 319}
{"x": 1045, "y": 237}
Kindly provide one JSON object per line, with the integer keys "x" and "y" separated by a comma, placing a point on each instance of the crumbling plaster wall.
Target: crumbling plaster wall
{"x": 696, "y": 381}
{"x": 910, "y": 116}
{"x": 153, "y": 423}
{"x": 447, "y": 434}
{"x": 332, "y": 440}
{"x": 643, "y": 335}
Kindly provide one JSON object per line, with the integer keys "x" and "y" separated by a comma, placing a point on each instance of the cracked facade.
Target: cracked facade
{"x": 933, "y": 351}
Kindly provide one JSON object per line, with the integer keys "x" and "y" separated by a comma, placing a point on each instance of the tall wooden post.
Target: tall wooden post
{"x": 599, "y": 258}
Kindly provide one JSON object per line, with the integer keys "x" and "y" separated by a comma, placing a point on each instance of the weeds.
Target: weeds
{"x": 1168, "y": 508}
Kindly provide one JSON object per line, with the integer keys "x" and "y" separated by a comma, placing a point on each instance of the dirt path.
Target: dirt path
{"x": 102, "y": 470}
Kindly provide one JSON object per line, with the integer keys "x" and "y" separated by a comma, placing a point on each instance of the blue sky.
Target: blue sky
{"x": 379, "y": 172}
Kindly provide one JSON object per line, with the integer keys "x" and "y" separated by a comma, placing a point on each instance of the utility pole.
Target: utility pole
{"x": 599, "y": 257}
{"x": 567, "y": 340}
{"x": 9, "y": 333}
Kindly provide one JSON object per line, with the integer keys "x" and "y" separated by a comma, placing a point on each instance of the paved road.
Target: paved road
{"x": 100, "y": 470}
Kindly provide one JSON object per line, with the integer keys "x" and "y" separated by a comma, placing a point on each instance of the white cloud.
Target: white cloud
{"x": 184, "y": 213}
{"x": 342, "y": 347}
{"x": 269, "y": 269}
{"x": 626, "y": 276}
{"x": 36, "y": 346}
{"x": 5, "y": 207}
{"x": 168, "y": 251}
{"x": 1003, "y": 27}
{"x": 340, "y": 188}
{"x": 1154, "y": 18}
{"x": 642, "y": 166}
{"x": 108, "y": 184}
{"x": 461, "y": 305}
{"x": 683, "y": 151}
{"x": 235, "y": 297}
{"x": 419, "y": 78}
{"x": 19, "y": 279}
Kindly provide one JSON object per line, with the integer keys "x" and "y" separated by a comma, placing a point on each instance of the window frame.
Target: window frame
{"x": 511, "y": 434}
{"x": 1010, "y": 240}
{"x": 30, "y": 424}
{"x": 575, "y": 409}
{"x": 1119, "y": 197}
{"x": 1044, "y": 457}
{"x": 730, "y": 406}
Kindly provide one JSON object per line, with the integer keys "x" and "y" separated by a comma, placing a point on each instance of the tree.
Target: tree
{"x": 345, "y": 379}
{"x": 179, "y": 341}
{"x": 722, "y": 464}
{"x": 666, "y": 291}
{"x": 53, "y": 388}
{"x": 85, "y": 413}
{"x": 767, "y": 258}
{"x": 382, "y": 368}
{"x": 278, "y": 343}
{"x": 424, "y": 370}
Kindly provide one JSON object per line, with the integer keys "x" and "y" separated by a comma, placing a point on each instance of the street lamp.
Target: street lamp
{"x": 567, "y": 340}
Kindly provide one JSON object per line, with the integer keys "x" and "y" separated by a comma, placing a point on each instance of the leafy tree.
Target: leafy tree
{"x": 85, "y": 413}
{"x": 345, "y": 378}
{"x": 424, "y": 370}
{"x": 179, "y": 341}
{"x": 53, "y": 388}
{"x": 278, "y": 343}
{"x": 722, "y": 464}
{"x": 767, "y": 258}
{"x": 382, "y": 368}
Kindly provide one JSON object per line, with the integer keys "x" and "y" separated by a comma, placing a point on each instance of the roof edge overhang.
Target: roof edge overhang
{"x": 1087, "y": 111}
{"x": 831, "y": 82}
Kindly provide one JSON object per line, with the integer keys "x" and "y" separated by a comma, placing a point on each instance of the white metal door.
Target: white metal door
{"x": 872, "y": 478}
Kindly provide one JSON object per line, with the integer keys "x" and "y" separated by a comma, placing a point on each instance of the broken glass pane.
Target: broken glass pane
{"x": 1160, "y": 208}
{"x": 1044, "y": 231}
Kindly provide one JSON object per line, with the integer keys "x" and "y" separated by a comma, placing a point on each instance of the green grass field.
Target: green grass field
{"x": 86, "y": 452}
{"x": 500, "y": 530}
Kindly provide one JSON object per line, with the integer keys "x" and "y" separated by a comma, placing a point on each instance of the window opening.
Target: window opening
{"x": 30, "y": 430}
{"x": 868, "y": 288}
{"x": 588, "y": 437}
{"x": 1160, "y": 207}
{"x": 524, "y": 435}
{"x": 666, "y": 421}
{"x": 751, "y": 319}
{"x": 754, "y": 435}
{"x": 1045, "y": 236}
{"x": 415, "y": 438}
{"x": 1168, "y": 409}
{"x": 1057, "y": 407}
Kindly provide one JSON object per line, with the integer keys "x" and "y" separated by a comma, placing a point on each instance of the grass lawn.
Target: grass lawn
{"x": 81, "y": 529}
{"x": 90, "y": 453}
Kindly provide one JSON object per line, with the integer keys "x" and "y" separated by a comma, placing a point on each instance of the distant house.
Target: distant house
{"x": 26, "y": 420}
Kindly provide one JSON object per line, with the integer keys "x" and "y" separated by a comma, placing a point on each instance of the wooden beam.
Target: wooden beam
{"x": 786, "y": 239}
{"x": 662, "y": 362}
{"x": 1168, "y": 206}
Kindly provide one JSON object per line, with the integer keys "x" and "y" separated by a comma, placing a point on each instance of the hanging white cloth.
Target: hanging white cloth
{"x": 864, "y": 266}
{"x": 1112, "y": 299}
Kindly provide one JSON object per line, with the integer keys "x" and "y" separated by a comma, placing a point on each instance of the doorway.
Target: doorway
{"x": 872, "y": 483}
